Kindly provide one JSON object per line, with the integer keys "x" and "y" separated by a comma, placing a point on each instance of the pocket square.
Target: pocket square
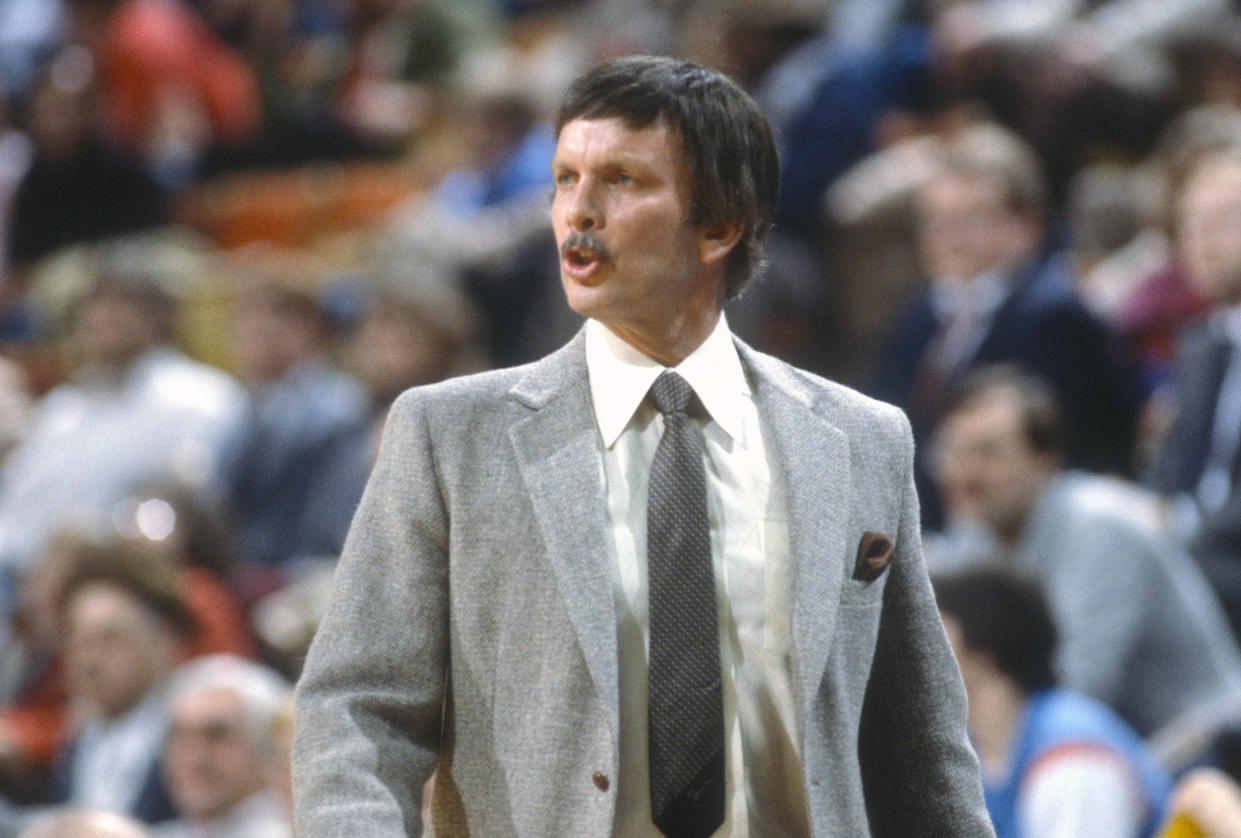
{"x": 874, "y": 553}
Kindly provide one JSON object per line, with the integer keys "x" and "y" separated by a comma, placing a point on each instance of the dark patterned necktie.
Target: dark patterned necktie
{"x": 686, "y": 719}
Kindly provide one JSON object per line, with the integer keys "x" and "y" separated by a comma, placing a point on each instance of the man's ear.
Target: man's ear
{"x": 716, "y": 241}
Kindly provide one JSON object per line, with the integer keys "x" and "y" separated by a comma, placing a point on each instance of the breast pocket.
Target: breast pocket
{"x": 864, "y": 595}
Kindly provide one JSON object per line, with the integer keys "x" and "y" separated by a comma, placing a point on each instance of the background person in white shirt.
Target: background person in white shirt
{"x": 1056, "y": 764}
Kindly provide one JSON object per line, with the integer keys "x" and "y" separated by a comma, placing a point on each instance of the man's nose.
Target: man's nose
{"x": 584, "y": 212}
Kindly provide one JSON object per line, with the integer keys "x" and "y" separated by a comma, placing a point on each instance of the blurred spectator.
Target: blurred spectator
{"x": 1196, "y": 463}
{"x": 1141, "y": 629}
{"x": 297, "y": 53}
{"x": 289, "y": 500}
{"x": 189, "y": 533}
{"x": 1122, "y": 258}
{"x": 1055, "y": 763}
{"x": 171, "y": 91}
{"x": 400, "y": 53}
{"x": 136, "y": 410}
{"x": 417, "y": 327}
{"x": 34, "y": 711}
{"x": 221, "y": 753}
{"x": 995, "y": 295}
{"x": 85, "y": 823}
{"x": 77, "y": 188}
{"x": 871, "y": 234}
{"x": 825, "y": 103}
{"x": 126, "y": 625}
{"x": 509, "y": 154}
{"x": 1076, "y": 78}
{"x": 34, "y": 714}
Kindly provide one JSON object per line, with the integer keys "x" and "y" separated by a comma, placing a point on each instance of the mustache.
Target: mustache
{"x": 585, "y": 240}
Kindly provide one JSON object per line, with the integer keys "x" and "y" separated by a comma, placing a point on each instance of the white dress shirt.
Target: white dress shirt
{"x": 747, "y": 514}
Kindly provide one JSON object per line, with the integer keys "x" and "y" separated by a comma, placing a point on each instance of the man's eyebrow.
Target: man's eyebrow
{"x": 617, "y": 159}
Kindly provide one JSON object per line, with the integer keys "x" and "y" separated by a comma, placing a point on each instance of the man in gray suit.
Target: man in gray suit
{"x": 505, "y": 577}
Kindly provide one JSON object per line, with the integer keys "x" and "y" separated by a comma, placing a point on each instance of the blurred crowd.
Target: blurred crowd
{"x": 232, "y": 231}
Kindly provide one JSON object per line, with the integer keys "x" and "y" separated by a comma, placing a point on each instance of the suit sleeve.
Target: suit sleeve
{"x": 369, "y": 702}
{"x": 920, "y": 773}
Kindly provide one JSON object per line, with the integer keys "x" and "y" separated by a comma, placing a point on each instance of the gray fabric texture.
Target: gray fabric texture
{"x": 472, "y": 629}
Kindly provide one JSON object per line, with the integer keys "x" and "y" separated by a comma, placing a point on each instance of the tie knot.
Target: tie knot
{"x": 671, "y": 393}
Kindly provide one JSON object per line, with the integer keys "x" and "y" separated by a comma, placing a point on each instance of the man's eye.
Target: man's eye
{"x": 623, "y": 179}
{"x": 564, "y": 179}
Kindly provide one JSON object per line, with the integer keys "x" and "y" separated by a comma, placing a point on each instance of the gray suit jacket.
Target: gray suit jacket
{"x": 473, "y": 627}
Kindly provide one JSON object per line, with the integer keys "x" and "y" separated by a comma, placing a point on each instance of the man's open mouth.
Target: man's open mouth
{"x": 581, "y": 250}
{"x": 581, "y": 256}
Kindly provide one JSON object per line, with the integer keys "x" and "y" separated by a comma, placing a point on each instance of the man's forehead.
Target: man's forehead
{"x": 995, "y": 414}
{"x": 660, "y": 132}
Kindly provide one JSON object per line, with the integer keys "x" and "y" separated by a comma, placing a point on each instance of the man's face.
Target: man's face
{"x": 965, "y": 229}
{"x": 114, "y": 327}
{"x": 115, "y": 650}
{"x": 270, "y": 337}
{"x": 1208, "y": 219}
{"x": 986, "y": 468}
{"x": 629, "y": 257}
{"x": 210, "y": 761}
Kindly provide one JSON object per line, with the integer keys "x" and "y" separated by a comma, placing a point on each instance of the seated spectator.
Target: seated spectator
{"x": 220, "y": 758}
{"x": 135, "y": 410}
{"x": 1123, "y": 262}
{"x": 417, "y": 327}
{"x": 126, "y": 628}
{"x": 1055, "y": 763}
{"x": 171, "y": 90}
{"x": 194, "y": 536}
{"x": 35, "y": 712}
{"x": 77, "y": 188}
{"x": 289, "y": 503}
{"x": 1141, "y": 630}
{"x": 33, "y": 715}
{"x": 483, "y": 226}
{"x": 995, "y": 295}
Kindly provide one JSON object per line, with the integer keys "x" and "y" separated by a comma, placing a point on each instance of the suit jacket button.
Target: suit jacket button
{"x": 600, "y": 780}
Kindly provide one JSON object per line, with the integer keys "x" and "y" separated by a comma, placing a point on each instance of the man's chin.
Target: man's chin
{"x": 587, "y": 300}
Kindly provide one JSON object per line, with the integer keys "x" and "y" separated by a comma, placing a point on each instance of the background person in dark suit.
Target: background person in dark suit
{"x": 1196, "y": 463}
{"x": 996, "y": 294}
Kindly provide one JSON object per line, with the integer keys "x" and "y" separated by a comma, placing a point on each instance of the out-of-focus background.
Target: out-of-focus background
{"x": 232, "y": 231}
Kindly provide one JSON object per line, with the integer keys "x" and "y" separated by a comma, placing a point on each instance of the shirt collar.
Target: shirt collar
{"x": 620, "y": 377}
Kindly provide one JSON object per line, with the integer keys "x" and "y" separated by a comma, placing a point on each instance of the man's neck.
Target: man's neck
{"x": 996, "y": 707}
{"x": 675, "y": 343}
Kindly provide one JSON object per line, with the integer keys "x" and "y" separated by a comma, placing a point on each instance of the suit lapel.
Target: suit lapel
{"x": 814, "y": 455}
{"x": 557, "y": 448}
